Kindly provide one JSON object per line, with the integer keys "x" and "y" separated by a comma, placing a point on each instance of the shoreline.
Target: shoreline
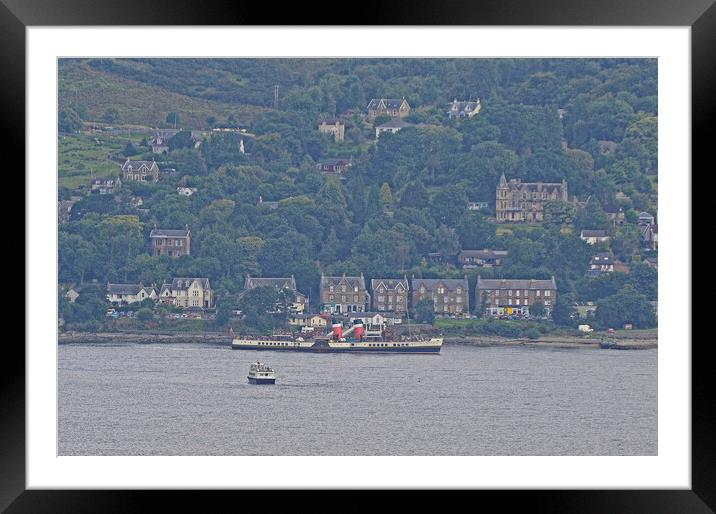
{"x": 220, "y": 338}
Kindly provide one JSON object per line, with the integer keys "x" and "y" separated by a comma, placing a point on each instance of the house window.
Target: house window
{"x": 517, "y": 293}
{"x": 458, "y": 299}
{"x": 538, "y": 292}
{"x": 331, "y": 289}
{"x": 547, "y": 293}
{"x": 518, "y": 302}
{"x": 509, "y": 293}
{"x": 547, "y": 302}
{"x": 330, "y": 298}
{"x": 509, "y": 302}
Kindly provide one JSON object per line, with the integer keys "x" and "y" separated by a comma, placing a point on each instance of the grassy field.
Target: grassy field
{"x": 138, "y": 103}
{"x": 79, "y": 155}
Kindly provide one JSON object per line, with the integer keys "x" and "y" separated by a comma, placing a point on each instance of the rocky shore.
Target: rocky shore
{"x": 214, "y": 338}
{"x": 555, "y": 342}
{"x": 221, "y": 338}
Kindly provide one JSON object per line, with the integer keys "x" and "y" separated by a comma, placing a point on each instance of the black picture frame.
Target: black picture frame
{"x": 700, "y": 15}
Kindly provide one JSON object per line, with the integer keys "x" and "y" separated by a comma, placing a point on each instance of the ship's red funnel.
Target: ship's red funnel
{"x": 359, "y": 330}
{"x": 337, "y": 330}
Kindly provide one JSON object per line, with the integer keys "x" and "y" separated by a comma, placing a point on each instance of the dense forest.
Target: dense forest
{"x": 592, "y": 122}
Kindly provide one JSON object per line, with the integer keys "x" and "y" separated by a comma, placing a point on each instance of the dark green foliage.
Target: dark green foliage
{"x": 627, "y": 306}
{"x": 182, "y": 139}
{"x": 69, "y": 121}
{"x": 145, "y": 314}
{"x": 112, "y": 115}
{"x": 425, "y": 311}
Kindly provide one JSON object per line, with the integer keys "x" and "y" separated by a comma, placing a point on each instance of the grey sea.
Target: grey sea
{"x": 194, "y": 399}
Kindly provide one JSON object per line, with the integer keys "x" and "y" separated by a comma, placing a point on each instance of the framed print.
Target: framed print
{"x": 415, "y": 255}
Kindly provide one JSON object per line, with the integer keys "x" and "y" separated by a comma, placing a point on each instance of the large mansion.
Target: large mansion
{"x": 519, "y": 201}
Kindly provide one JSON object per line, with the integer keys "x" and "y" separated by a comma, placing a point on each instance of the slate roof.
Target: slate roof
{"x": 462, "y": 106}
{"x": 391, "y": 284}
{"x": 169, "y": 232}
{"x": 389, "y": 103}
{"x": 396, "y": 123}
{"x": 431, "y": 283}
{"x": 352, "y": 282}
{"x": 336, "y": 161}
{"x": 278, "y": 282}
{"x": 127, "y": 289}
{"x": 520, "y": 283}
{"x": 482, "y": 254}
{"x": 138, "y": 165}
{"x": 180, "y": 284}
{"x": 602, "y": 258}
{"x": 594, "y": 233}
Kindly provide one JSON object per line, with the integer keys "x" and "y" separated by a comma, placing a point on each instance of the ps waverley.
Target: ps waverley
{"x": 356, "y": 339}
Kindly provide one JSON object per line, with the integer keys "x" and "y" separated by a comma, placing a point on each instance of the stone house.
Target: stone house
{"x": 514, "y": 296}
{"x": 124, "y": 294}
{"x": 481, "y": 258}
{"x": 105, "y": 186}
{"x": 171, "y": 242}
{"x": 594, "y": 236}
{"x": 188, "y": 292}
{"x": 652, "y": 262}
{"x": 334, "y": 166}
{"x": 390, "y": 295}
{"x": 615, "y": 214}
{"x": 650, "y": 236}
{"x": 393, "y": 107}
{"x": 298, "y": 306}
{"x": 335, "y": 127}
{"x": 391, "y": 126}
{"x": 519, "y": 201}
{"x": 450, "y": 296}
{"x": 464, "y": 109}
{"x": 477, "y": 206}
{"x": 601, "y": 262}
{"x": 645, "y": 218}
{"x": 141, "y": 171}
{"x": 340, "y": 295}
{"x": 307, "y": 320}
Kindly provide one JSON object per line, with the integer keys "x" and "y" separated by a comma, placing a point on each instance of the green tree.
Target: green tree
{"x": 129, "y": 149}
{"x": 182, "y": 139}
{"x": 627, "y": 306}
{"x": 425, "y": 311}
{"x": 537, "y": 309}
{"x": 69, "y": 121}
{"x": 564, "y": 312}
{"x": 173, "y": 119}
{"x": 112, "y": 115}
{"x": 145, "y": 314}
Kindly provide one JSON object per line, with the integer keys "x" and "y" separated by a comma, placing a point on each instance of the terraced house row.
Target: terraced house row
{"x": 450, "y": 296}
